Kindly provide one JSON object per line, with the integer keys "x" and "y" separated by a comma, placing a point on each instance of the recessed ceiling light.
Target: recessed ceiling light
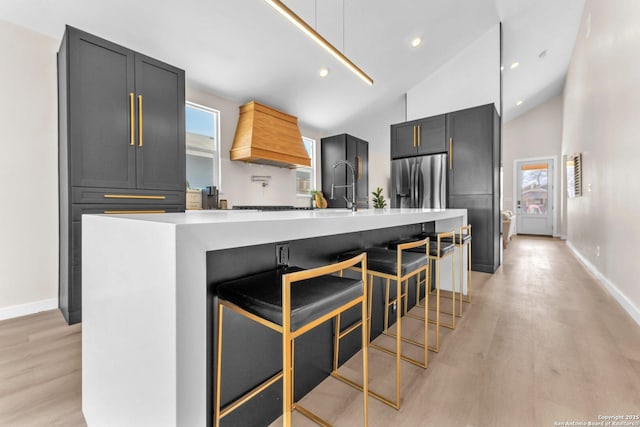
{"x": 324, "y": 72}
{"x": 519, "y": 103}
{"x": 514, "y": 65}
{"x": 416, "y": 42}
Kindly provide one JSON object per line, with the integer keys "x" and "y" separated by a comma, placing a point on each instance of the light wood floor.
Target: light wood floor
{"x": 542, "y": 342}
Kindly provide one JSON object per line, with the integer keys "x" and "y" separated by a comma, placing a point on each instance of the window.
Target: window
{"x": 306, "y": 177}
{"x": 202, "y": 146}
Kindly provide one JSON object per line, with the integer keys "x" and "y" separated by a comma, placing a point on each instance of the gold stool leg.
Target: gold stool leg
{"x": 386, "y": 306}
{"x": 460, "y": 263}
{"x": 469, "y": 271}
{"x": 426, "y": 319}
{"x": 365, "y": 360}
{"x": 287, "y": 363}
{"x": 216, "y": 417}
{"x": 336, "y": 342}
{"x": 418, "y": 290}
{"x": 436, "y": 348}
{"x": 454, "y": 287}
{"x": 370, "y": 302}
{"x": 398, "y": 338}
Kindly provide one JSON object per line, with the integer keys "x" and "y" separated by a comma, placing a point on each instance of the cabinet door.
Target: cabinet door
{"x": 333, "y": 148}
{"x": 362, "y": 170}
{"x": 480, "y": 215}
{"x": 160, "y": 157}
{"x": 471, "y": 151}
{"x": 101, "y": 86}
{"x": 433, "y": 135}
{"x": 404, "y": 140}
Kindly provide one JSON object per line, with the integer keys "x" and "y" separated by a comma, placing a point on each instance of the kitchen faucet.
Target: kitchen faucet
{"x": 350, "y": 204}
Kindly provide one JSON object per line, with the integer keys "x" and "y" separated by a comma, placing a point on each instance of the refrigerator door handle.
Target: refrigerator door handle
{"x": 416, "y": 185}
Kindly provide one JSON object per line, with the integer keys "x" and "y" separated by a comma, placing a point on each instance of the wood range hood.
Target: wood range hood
{"x": 269, "y": 137}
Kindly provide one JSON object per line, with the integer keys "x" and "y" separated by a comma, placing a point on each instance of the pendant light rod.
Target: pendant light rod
{"x": 305, "y": 28}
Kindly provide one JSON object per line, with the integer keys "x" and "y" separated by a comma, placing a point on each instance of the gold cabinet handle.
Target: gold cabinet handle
{"x": 139, "y": 120}
{"x": 419, "y": 130}
{"x": 450, "y": 153}
{"x": 132, "y": 119}
{"x": 133, "y": 196}
{"x": 414, "y": 137}
{"x": 134, "y": 212}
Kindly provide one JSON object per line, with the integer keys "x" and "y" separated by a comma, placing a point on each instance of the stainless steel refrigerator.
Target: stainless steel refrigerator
{"x": 419, "y": 182}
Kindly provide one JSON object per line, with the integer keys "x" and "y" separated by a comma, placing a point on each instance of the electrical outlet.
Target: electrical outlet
{"x": 282, "y": 255}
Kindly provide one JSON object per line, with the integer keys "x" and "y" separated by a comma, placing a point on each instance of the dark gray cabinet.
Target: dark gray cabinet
{"x": 473, "y": 135}
{"x": 471, "y": 140}
{"x": 356, "y": 151}
{"x": 419, "y": 137}
{"x": 470, "y": 151}
{"x": 121, "y": 143}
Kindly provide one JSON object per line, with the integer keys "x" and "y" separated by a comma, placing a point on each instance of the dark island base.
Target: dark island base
{"x": 253, "y": 353}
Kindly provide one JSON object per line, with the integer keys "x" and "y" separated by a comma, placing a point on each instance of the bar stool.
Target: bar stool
{"x": 291, "y": 301}
{"x": 462, "y": 239}
{"x": 438, "y": 250}
{"x": 399, "y": 266}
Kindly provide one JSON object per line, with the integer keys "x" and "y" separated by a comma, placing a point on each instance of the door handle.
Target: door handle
{"x": 450, "y": 153}
{"x": 419, "y": 130}
{"x": 139, "y": 120}
{"x": 132, "y": 119}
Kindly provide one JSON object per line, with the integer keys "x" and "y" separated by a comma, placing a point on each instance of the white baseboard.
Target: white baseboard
{"x": 622, "y": 299}
{"x": 28, "y": 308}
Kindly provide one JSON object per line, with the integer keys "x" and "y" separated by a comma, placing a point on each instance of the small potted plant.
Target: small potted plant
{"x": 378, "y": 199}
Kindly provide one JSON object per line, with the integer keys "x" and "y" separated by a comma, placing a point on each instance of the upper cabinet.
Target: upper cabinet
{"x": 356, "y": 151}
{"x": 419, "y": 137}
{"x": 471, "y": 151}
{"x": 126, "y": 117}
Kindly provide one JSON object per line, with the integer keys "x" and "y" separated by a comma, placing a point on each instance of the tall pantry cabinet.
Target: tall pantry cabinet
{"x": 354, "y": 150}
{"x": 121, "y": 143}
{"x": 474, "y": 179}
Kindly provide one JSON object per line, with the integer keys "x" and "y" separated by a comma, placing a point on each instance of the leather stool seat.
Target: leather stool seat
{"x": 261, "y": 294}
{"x": 385, "y": 260}
{"x": 445, "y": 247}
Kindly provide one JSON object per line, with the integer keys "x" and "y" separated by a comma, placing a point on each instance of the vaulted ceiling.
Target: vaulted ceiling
{"x": 243, "y": 49}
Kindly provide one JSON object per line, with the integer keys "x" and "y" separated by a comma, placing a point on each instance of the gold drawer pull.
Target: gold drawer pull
{"x": 133, "y": 196}
{"x": 134, "y": 212}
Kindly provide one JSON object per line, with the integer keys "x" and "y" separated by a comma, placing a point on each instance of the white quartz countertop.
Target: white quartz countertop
{"x": 225, "y": 216}
{"x": 218, "y": 229}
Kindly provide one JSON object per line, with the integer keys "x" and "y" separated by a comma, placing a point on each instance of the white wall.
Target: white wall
{"x": 537, "y": 133}
{"x": 236, "y": 184}
{"x": 469, "y": 79}
{"x": 602, "y": 121}
{"x": 28, "y": 171}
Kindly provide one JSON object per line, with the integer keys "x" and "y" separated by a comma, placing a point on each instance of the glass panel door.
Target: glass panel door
{"x": 534, "y": 208}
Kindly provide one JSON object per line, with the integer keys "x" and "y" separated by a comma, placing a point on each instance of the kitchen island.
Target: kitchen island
{"x": 148, "y": 293}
